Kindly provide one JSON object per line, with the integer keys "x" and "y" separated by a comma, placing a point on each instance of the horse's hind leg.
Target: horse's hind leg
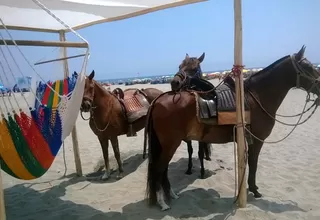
{"x": 190, "y": 151}
{"x": 202, "y": 147}
{"x": 207, "y": 152}
{"x": 166, "y": 185}
{"x": 164, "y": 188}
{"x": 253, "y": 155}
{"x": 115, "y": 146}
{"x": 104, "y": 142}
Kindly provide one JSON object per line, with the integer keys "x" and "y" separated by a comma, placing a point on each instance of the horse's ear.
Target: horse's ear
{"x": 201, "y": 58}
{"x": 299, "y": 56}
{"x": 90, "y": 77}
{"x": 75, "y": 72}
{"x": 187, "y": 56}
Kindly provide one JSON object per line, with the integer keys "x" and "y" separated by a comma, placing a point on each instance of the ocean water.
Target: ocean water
{"x": 132, "y": 78}
{"x": 141, "y": 77}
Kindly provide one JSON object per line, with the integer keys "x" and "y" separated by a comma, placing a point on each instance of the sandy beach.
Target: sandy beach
{"x": 288, "y": 176}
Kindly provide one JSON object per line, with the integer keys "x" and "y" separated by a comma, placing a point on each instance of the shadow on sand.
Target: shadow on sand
{"x": 130, "y": 165}
{"x": 191, "y": 204}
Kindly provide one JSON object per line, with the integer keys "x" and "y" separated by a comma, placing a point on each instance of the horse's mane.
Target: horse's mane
{"x": 103, "y": 89}
{"x": 265, "y": 71}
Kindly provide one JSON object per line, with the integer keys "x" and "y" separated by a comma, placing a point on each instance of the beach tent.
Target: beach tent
{"x": 76, "y": 13}
{"x": 71, "y": 15}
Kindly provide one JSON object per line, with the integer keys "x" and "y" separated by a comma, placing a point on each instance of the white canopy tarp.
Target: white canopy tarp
{"x": 27, "y": 15}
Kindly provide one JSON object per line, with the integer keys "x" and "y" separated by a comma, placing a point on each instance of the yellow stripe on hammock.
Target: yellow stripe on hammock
{"x": 56, "y": 97}
{"x": 9, "y": 154}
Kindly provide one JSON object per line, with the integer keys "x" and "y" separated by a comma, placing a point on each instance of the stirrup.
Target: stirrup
{"x": 131, "y": 132}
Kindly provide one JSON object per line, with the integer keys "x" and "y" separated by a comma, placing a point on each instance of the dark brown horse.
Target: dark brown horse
{"x": 111, "y": 116}
{"x": 191, "y": 67}
{"x": 176, "y": 117}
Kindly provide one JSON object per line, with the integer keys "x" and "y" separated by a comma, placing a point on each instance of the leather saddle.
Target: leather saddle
{"x": 219, "y": 106}
{"x": 134, "y": 103}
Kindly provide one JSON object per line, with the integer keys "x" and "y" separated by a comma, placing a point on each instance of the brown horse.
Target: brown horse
{"x": 176, "y": 117}
{"x": 111, "y": 116}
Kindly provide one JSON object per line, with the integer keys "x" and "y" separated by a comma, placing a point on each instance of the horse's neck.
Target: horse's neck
{"x": 102, "y": 98}
{"x": 271, "y": 88}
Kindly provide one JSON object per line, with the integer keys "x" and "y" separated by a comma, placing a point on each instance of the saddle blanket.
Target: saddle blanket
{"x": 136, "y": 106}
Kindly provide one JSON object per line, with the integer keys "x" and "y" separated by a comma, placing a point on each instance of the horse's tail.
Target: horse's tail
{"x": 154, "y": 152}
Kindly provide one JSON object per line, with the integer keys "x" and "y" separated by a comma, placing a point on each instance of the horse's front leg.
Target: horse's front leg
{"x": 202, "y": 145}
{"x": 104, "y": 142}
{"x": 190, "y": 151}
{"x": 253, "y": 155}
{"x": 115, "y": 146}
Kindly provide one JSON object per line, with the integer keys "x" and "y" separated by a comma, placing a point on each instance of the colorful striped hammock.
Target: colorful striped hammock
{"x": 29, "y": 144}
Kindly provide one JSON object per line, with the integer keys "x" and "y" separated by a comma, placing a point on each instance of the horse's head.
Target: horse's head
{"x": 308, "y": 77}
{"x": 190, "y": 67}
{"x": 88, "y": 95}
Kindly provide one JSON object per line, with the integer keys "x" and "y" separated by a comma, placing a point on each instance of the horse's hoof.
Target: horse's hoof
{"x": 202, "y": 176}
{"x": 255, "y": 192}
{"x": 165, "y": 207}
{"x": 105, "y": 176}
{"x": 207, "y": 158}
{"x": 119, "y": 176}
{"x": 173, "y": 195}
{"x": 188, "y": 172}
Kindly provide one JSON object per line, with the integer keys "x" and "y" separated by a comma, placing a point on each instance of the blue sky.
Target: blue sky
{"x": 155, "y": 43}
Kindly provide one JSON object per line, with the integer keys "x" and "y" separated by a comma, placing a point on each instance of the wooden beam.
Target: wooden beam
{"x": 44, "y": 43}
{"x": 21, "y": 28}
{"x": 60, "y": 59}
{"x": 242, "y": 188}
{"x": 2, "y": 205}
{"x": 74, "y": 135}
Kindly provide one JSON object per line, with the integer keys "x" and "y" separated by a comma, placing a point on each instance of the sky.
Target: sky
{"x": 156, "y": 43}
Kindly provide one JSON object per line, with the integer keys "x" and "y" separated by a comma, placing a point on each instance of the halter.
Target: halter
{"x": 185, "y": 78}
{"x": 303, "y": 73}
{"x": 91, "y": 111}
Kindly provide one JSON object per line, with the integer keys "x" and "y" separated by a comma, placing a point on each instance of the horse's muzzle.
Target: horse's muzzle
{"x": 175, "y": 85}
{"x": 85, "y": 106}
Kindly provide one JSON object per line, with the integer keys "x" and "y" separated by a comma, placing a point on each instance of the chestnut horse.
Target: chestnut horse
{"x": 108, "y": 116}
{"x": 175, "y": 117}
{"x": 204, "y": 150}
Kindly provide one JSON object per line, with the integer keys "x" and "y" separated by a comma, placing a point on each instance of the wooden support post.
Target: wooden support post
{"x": 2, "y": 205}
{"x": 242, "y": 200}
{"x": 76, "y": 152}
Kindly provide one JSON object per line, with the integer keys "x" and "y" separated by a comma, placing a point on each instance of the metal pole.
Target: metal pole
{"x": 242, "y": 199}
{"x": 74, "y": 135}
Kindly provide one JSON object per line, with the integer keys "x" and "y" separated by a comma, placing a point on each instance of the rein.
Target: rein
{"x": 316, "y": 103}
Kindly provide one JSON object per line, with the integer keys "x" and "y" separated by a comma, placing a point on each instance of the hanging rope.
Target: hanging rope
{"x": 19, "y": 69}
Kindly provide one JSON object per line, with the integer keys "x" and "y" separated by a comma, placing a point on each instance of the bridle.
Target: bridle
{"x": 185, "y": 77}
{"x": 91, "y": 111}
{"x": 302, "y": 73}
{"x": 92, "y": 107}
